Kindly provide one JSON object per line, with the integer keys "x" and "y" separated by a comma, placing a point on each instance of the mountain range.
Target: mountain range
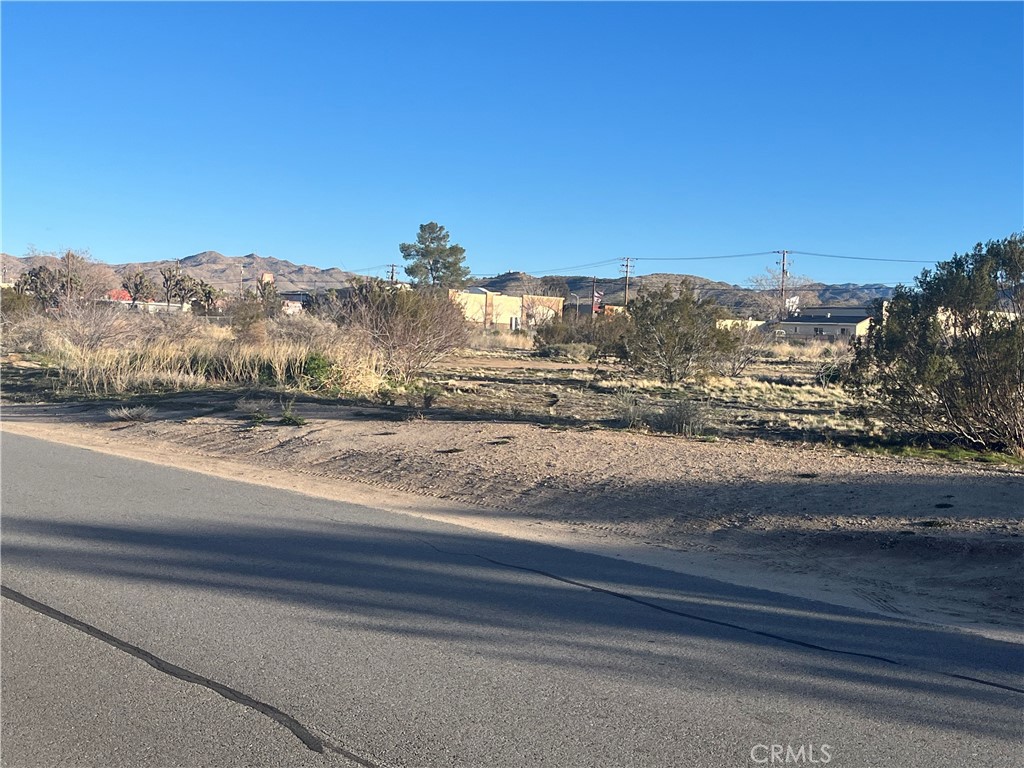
{"x": 228, "y": 273}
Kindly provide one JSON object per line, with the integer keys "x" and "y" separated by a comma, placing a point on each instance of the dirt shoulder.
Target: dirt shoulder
{"x": 922, "y": 540}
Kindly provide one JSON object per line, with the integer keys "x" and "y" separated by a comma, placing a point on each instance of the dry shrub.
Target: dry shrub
{"x": 487, "y": 340}
{"x": 305, "y": 328}
{"x": 680, "y": 416}
{"x": 103, "y": 350}
{"x": 92, "y": 326}
{"x": 131, "y": 413}
{"x": 407, "y": 330}
{"x": 25, "y": 333}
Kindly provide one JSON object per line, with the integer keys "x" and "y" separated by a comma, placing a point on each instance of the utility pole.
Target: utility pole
{"x": 593, "y": 299}
{"x": 391, "y": 273}
{"x": 241, "y": 278}
{"x": 627, "y": 264}
{"x": 782, "y": 282}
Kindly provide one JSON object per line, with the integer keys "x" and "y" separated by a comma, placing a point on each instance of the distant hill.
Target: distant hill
{"x": 12, "y": 266}
{"x": 226, "y": 272}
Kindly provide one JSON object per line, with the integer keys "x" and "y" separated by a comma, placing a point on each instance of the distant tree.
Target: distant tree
{"x": 554, "y": 285}
{"x": 269, "y": 298}
{"x": 45, "y": 284}
{"x": 139, "y": 286}
{"x": 766, "y": 303}
{"x": 206, "y": 297}
{"x": 674, "y": 335}
{"x": 84, "y": 278}
{"x": 247, "y": 318}
{"x": 947, "y": 358}
{"x": 432, "y": 261}
{"x": 170, "y": 277}
{"x": 329, "y": 305}
{"x": 186, "y": 289}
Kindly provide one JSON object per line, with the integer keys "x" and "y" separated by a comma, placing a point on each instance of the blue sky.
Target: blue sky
{"x": 541, "y": 135}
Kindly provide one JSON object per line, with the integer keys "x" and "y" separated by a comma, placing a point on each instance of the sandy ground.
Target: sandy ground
{"x": 922, "y": 540}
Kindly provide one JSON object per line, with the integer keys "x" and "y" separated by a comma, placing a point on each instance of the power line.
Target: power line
{"x": 705, "y": 258}
{"x": 604, "y": 263}
{"x": 864, "y": 258}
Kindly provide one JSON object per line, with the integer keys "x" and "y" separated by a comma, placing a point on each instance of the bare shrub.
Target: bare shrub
{"x": 304, "y": 328}
{"x": 25, "y": 332}
{"x": 749, "y": 345}
{"x": 681, "y": 417}
{"x": 628, "y": 410}
{"x": 94, "y": 326}
{"x": 834, "y": 367}
{"x": 408, "y": 330}
{"x": 131, "y": 413}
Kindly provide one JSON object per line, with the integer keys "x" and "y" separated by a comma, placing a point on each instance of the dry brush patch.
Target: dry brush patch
{"x": 771, "y": 398}
{"x": 100, "y": 351}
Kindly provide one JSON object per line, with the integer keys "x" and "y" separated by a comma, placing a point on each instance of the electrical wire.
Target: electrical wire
{"x": 861, "y": 258}
{"x": 702, "y": 258}
{"x": 366, "y": 269}
{"x": 604, "y": 263}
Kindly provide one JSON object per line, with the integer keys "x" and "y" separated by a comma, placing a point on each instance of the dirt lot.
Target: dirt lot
{"x": 926, "y": 540}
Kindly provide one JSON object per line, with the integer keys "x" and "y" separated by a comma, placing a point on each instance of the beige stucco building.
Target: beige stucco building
{"x": 492, "y": 309}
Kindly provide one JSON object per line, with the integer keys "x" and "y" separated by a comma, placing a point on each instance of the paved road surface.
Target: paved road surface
{"x": 155, "y": 617}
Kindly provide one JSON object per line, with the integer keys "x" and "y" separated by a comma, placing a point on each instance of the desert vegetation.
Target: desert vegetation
{"x": 945, "y": 368}
{"x": 948, "y": 359}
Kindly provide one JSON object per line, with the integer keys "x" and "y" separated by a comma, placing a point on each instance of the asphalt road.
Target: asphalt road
{"x": 155, "y": 617}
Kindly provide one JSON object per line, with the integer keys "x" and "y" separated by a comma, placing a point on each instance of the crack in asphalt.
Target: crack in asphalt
{"x": 719, "y": 622}
{"x": 302, "y": 733}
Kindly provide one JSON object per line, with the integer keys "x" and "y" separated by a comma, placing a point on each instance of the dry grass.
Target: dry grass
{"x": 102, "y": 351}
{"x": 131, "y": 413}
{"x": 488, "y": 340}
{"x": 774, "y": 396}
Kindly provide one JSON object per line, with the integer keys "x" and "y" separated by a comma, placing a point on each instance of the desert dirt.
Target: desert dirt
{"x": 917, "y": 539}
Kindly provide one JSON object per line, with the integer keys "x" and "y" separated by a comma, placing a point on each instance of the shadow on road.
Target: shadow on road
{"x": 515, "y": 602}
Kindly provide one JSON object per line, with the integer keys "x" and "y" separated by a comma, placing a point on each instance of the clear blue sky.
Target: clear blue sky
{"x": 541, "y": 135}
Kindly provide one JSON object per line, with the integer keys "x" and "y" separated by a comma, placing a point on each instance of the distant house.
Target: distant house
{"x": 303, "y": 298}
{"x": 826, "y": 323}
{"x": 492, "y": 309}
{"x": 152, "y": 307}
{"x": 743, "y": 325}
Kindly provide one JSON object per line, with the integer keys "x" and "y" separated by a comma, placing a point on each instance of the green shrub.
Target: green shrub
{"x": 674, "y": 335}
{"x": 317, "y": 370}
{"x": 947, "y": 358}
